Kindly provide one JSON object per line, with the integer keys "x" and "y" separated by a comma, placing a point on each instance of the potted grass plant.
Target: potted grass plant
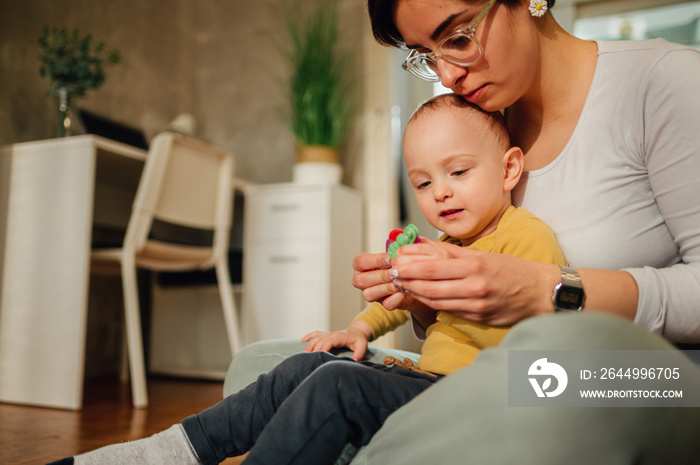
{"x": 320, "y": 96}
{"x": 74, "y": 64}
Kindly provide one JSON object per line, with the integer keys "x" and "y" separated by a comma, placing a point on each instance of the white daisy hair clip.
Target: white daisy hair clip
{"x": 538, "y": 7}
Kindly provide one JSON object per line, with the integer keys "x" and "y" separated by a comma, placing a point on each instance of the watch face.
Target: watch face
{"x": 569, "y": 298}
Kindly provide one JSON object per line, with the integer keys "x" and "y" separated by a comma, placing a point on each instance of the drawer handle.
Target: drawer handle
{"x": 284, "y": 259}
{"x": 282, "y": 207}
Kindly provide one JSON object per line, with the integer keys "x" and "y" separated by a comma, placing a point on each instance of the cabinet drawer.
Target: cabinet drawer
{"x": 284, "y": 298}
{"x": 297, "y": 216}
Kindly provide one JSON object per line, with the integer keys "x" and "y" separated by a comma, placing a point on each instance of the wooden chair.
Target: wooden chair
{"x": 187, "y": 183}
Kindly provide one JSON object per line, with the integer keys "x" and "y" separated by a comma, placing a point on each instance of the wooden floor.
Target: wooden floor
{"x": 33, "y": 435}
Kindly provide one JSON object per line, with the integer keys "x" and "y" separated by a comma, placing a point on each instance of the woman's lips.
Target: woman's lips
{"x": 474, "y": 96}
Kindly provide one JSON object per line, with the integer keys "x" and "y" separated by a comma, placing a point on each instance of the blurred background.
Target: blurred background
{"x": 219, "y": 62}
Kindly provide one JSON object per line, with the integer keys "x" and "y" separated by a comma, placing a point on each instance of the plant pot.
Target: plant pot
{"x": 317, "y": 164}
{"x": 316, "y": 153}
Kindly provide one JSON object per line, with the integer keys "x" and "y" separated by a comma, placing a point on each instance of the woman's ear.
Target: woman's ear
{"x": 513, "y": 161}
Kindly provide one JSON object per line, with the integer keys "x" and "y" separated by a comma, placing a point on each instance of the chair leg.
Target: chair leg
{"x": 124, "y": 362}
{"x": 229, "y": 305}
{"x": 133, "y": 334}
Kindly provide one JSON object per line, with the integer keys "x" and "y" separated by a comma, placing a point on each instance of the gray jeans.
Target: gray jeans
{"x": 304, "y": 411}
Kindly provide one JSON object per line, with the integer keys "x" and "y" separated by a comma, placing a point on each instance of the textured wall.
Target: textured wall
{"x": 211, "y": 58}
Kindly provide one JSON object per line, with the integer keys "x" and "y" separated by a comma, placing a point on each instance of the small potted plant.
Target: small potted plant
{"x": 320, "y": 94}
{"x": 73, "y": 64}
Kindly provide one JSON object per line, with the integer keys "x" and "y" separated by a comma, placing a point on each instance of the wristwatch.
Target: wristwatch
{"x": 568, "y": 294}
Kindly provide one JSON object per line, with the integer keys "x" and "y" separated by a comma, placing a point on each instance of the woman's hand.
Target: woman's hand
{"x": 488, "y": 288}
{"x": 355, "y": 338}
{"x": 376, "y": 286}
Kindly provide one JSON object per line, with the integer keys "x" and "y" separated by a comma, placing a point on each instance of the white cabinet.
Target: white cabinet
{"x": 298, "y": 245}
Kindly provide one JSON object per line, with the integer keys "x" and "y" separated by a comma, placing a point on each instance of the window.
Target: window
{"x": 676, "y": 23}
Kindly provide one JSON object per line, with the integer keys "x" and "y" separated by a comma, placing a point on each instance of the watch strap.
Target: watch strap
{"x": 568, "y": 294}
{"x": 570, "y": 277}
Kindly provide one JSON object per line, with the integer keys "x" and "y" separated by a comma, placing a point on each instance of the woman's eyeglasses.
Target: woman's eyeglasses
{"x": 460, "y": 48}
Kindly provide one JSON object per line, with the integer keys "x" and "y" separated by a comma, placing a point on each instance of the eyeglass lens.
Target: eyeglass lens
{"x": 423, "y": 68}
{"x": 460, "y": 49}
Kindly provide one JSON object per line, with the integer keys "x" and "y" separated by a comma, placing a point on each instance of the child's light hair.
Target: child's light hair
{"x": 493, "y": 121}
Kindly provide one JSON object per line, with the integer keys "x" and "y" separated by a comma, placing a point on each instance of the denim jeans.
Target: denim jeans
{"x": 304, "y": 411}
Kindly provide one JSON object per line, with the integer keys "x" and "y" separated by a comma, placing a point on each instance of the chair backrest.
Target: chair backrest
{"x": 184, "y": 182}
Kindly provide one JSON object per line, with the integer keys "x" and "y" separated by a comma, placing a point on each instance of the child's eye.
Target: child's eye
{"x": 422, "y": 185}
{"x": 459, "y": 172}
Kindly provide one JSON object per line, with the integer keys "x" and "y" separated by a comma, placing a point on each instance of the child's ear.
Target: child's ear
{"x": 513, "y": 161}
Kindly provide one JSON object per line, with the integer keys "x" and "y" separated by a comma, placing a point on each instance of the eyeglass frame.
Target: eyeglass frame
{"x": 467, "y": 31}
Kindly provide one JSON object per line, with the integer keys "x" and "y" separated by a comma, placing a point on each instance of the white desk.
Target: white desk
{"x": 51, "y": 194}
{"x": 47, "y": 196}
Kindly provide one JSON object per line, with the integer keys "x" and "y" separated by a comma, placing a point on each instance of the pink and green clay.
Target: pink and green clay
{"x": 399, "y": 238}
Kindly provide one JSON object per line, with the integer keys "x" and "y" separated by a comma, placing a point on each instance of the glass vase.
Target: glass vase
{"x": 65, "y": 122}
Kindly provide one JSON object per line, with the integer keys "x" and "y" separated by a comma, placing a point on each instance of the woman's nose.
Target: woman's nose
{"x": 451, "y": 75}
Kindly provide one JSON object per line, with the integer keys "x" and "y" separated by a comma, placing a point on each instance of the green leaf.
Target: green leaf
{"x": 320, "y": 97}
{"x": 71, "y": 61}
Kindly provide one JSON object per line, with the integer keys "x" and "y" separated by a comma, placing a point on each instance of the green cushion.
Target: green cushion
{"x": 465, "y": 418}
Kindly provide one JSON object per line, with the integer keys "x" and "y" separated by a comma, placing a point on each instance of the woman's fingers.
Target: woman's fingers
{"x": 371, "y": 261}
{"x": 488, "y": 288}
{"x": 426, "y": 249}
{"x": 378, "y": 293}
{"x": 369, "y": 279}
{"x": 373, "y": 282}
{"x": 418, "y": 267}
{"x": 394, "y": 301}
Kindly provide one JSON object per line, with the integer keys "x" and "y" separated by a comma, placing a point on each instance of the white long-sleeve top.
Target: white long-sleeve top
{"x": 625, "y": 191}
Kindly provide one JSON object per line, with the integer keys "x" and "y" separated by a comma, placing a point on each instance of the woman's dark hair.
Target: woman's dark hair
{"x": 382, "y": 20}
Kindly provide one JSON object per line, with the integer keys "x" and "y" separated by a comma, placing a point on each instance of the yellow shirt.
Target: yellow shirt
{"x": 452, "y": 342}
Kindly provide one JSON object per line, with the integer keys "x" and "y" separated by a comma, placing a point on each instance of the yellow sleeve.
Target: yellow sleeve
{"x": 382, "y": 320}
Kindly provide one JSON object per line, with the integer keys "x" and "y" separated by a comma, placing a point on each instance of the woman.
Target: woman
{"x": 610, "y": 135}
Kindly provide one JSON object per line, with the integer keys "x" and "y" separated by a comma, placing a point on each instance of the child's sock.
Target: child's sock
{"x": 169, "y": 446}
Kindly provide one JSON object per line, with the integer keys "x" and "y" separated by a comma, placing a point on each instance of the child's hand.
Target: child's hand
{"x": 355, "y": 338}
